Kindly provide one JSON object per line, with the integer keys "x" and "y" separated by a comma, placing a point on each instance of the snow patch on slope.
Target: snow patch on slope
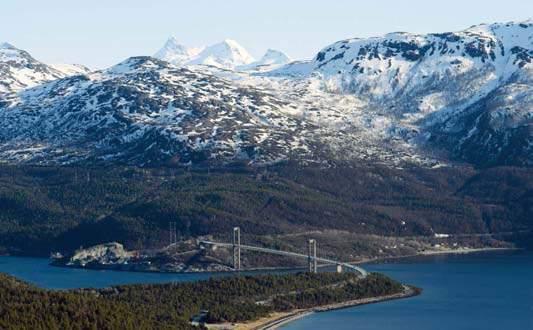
{"x": 70, "y": 69}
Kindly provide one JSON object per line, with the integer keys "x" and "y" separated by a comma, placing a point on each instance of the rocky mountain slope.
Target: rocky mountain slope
{"x": 398, "y": 99}
{"x": 469, "y": 91}
{"x": 18, "y": 70}
{"x": 146, "y": 111}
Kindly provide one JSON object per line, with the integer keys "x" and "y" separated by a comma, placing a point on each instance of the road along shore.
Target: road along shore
{"x": 276, "y": 320}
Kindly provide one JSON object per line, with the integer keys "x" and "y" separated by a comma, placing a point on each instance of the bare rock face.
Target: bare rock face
{"x": 103, "y": 254}
{"x": 145, "y": 111}
{"x": 114, "y": 256}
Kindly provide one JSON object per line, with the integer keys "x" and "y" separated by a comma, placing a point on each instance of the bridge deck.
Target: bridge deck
{"x": 288, "y": 254}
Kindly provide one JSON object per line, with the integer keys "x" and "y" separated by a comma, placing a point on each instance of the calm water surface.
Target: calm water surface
{"x": 468, "y": 292}
{"x": 40, "y": 273}
{"x": 483, "y": 291}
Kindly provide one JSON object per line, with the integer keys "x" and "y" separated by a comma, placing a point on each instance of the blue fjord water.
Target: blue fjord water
{"x": 482, "y": 291}
{"x": 465, "y": 292}
{"x": 38, "y": 272}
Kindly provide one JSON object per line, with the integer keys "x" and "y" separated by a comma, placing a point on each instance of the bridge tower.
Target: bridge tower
{"x": 311, "y": 255}
{"x": 172, "y": 232}
{"x": 237, "y": 248}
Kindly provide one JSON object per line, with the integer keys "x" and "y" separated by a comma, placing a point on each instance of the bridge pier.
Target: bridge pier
{"x": 237, "y": 248}
{"x": 311, "y": 256}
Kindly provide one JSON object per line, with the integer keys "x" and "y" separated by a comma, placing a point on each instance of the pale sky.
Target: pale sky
{"x": 100, "y": 33}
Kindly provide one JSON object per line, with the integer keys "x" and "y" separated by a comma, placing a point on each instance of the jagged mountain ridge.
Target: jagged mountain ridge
{"x": 397, "y": 99}
{"x": 391, "y": 66}
{"x": 228, "y": 55}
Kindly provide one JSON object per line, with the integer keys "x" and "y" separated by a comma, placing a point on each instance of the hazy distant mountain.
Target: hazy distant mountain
{"x": 176, "y": 53}
{"x": 227, "y": 54}
{"x": 272, "y": 59}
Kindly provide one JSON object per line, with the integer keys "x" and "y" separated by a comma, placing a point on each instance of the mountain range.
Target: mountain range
{"x": 399, "y": 99}
{"x": 227, "y": 54}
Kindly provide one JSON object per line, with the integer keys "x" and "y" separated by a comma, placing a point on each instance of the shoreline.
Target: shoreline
{"x": 434, "y": 253}
{"x": 155, "y": 271}
{"x": 375, "y": 260}
{"x": 278, "y": 319}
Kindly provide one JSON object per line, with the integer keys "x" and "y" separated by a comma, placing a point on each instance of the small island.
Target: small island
{"x": 234, "y": 302}
{"x": 184, "y": 258}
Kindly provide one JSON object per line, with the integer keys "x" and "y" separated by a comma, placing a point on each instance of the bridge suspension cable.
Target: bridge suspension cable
{"x": 311, "y": 256}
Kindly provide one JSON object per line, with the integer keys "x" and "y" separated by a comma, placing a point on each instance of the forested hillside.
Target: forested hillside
{"x": 171, "y": 306}
{"x": 46, "y": 209}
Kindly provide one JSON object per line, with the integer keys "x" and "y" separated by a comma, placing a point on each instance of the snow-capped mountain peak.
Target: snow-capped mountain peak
{"x": 233, "y": 48}
{"x": 469, "y": 90}
{"x": 10, "y": 53}
{"x": 226, "y": 54}
{"x": 134, "y": 65}
{"x": 273, "y": 56}
{"x": 175, "y": 52}
{"x": 271, "y": 60}
{"x": 18, "y": 69}
{"x": 172, "y": 45}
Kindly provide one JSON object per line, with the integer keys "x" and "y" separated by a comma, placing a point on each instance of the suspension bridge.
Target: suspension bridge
{"x": 311, "y": 255}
